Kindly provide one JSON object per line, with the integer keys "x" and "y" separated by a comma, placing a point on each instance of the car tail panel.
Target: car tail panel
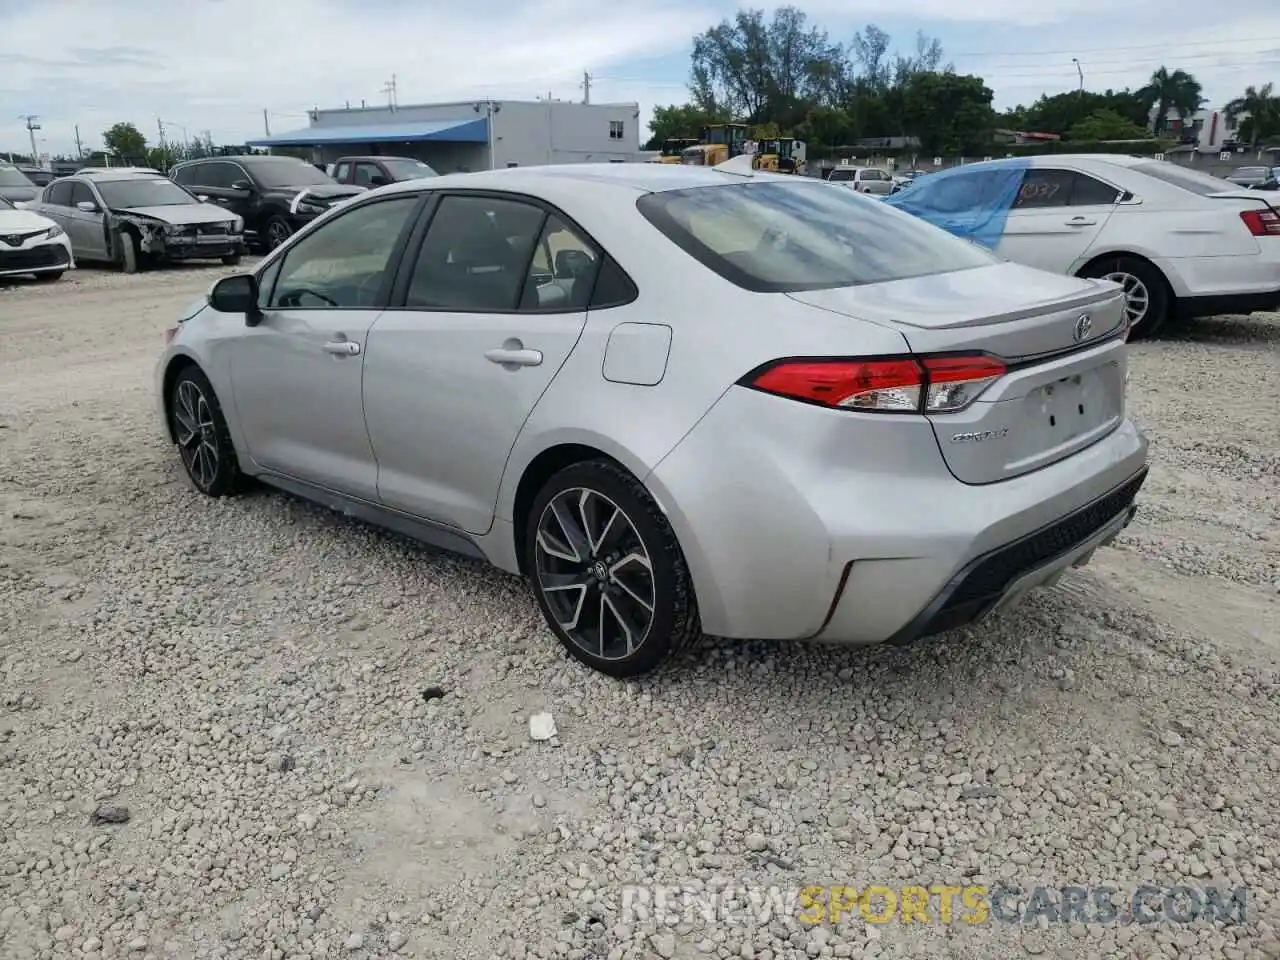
{"x": 1061, "y": 343}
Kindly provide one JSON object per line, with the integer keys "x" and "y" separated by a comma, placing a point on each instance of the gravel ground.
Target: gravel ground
{"x": 318, "y": 733}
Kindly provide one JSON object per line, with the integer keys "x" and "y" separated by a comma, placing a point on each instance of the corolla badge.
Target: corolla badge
{"x": 1084, "y": 323}
{"x": 980, "y": 436}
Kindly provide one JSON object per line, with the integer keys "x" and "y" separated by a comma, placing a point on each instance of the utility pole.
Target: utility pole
{"x": 586, "y": 86}
{"x": 1080, "y": 71}
{"x": 160, "y": 125}
{"x": 79, "y": 145}
{"x": 32, "y": 127}
{"x": 266, "y": 124}
{"x": 389, "y": 88}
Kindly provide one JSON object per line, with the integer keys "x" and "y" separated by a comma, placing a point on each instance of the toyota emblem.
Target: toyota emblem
{"x": 1084, "y": 323}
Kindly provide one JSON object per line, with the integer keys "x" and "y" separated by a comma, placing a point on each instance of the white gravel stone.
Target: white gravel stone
{"x": 246, "y": 679}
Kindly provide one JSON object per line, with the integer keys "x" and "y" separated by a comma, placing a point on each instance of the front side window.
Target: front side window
{"x": 80, "y": 193}
{"x": 365, "y": 173}
{"x": 343, "y": 263}
{"x": 476, "y": 255}
{"x": 780, "y": 237}
{"x": 343, "y": 172}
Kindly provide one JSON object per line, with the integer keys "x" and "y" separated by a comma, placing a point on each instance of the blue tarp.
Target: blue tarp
{"x": 972, "y": 204}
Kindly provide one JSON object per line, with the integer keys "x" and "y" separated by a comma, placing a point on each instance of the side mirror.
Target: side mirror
{"x": 202, "y": 198}
{"x": 242, "y": 185}
{"x": 87, "y": 206}
{"x": 237, "y": 294}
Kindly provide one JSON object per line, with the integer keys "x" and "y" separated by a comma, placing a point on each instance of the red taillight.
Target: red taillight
{"x": 1262, "y": 223}
{"x": 937, "y": 384}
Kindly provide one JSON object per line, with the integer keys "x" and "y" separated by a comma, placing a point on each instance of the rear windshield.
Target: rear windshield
{"x": 841, "y": 174}
{"x": 1251, "y": 172}
{"x": 1193, "y": 180}
{"x": 782, "y": 237}
{"x": 13, "y": 177}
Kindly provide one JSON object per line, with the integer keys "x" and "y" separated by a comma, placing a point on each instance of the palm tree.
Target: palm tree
{"x": 1177, "y": 90}
{"x": 1263, "y": 108}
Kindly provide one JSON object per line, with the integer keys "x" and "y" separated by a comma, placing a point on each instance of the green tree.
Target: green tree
{"x": 948, "y": 113}
{"x": 1106, "y": 125}
{"x": 761, "y": 70}
{"x": 1177, "y": 90}
{"x": 124, "y": 141}
{"x": 1263, "y": 109}
{"x": 678, "y": 120}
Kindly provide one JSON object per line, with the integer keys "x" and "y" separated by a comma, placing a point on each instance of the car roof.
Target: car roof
{"x": 638, "y": 177}
{"x": 118, "y": 172}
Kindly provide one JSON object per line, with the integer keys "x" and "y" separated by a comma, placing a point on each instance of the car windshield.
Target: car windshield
{"x": 143, "y": 192}
{"x": 286, "y": 172}
{"x": 1203, "y": 184}
{"x": 13, "y": 177}
{"x": 784, "y": 237}
{"x": 408, "y": 169}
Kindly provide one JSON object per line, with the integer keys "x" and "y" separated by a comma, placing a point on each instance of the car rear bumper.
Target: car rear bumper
{"x": 1226, "y": 284}
{"x": 45, "y": 258}
{"x": 799, "y": 531}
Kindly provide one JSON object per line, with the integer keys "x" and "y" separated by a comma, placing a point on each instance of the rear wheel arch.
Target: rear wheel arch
{"x": 541, "y": 469}
{"x": 1098, "y": 265}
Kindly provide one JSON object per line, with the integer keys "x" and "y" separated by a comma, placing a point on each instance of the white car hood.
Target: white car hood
{"x": 23, "y": 221}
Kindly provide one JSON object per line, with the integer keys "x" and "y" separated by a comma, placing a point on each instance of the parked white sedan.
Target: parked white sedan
{"x": 32, "y": 245}
{"x": 1182, "y": 243}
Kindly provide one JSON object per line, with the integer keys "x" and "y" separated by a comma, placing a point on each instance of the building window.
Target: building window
{"x": 617, "y": 130}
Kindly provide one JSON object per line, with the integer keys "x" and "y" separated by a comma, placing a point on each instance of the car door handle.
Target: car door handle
{"x": 1081, "y": 222}
{"x": 342, "y": 348}
{"x": 514, "y": 356}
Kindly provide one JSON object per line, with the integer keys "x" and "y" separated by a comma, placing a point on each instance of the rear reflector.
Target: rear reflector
{"x": 932, "y": 384}
{"x": 1262, "y": 223}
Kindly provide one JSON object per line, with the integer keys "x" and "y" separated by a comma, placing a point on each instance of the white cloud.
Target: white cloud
{"x": 216, "y": 64}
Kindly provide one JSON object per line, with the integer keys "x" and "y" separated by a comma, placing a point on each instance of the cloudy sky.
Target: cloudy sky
{"x": 215, "y": 65}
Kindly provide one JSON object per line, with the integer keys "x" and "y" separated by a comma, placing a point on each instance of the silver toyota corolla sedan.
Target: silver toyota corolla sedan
{"x": 677, "y": 400}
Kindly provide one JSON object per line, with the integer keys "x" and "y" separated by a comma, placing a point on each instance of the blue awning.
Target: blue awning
{"x": 409, "y": 131}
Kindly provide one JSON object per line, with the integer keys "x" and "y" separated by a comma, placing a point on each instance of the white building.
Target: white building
{"x": 473, "y": 134}
{"x": 1209, "y": 131}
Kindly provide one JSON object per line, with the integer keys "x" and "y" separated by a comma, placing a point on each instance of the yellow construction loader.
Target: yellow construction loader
{"x": 673, "y": 149}
{"x": 719, "y": 143}
{"x": 781, "y": 156}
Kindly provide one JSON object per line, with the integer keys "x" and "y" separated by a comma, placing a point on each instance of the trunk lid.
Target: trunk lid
{"x": 1062, "y": 338}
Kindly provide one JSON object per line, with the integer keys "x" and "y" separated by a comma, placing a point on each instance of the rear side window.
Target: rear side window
{"x": 781, "y": 237}
{"x": 1044, "y": 187}
{"x": 1192, "y": 180}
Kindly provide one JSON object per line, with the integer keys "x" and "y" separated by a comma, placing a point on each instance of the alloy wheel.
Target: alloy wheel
{"x": 1137, "y": 299}
{"x": 594, "y": 573}
{"x": 277, "y": 233}
{"x": 197, "y": 434}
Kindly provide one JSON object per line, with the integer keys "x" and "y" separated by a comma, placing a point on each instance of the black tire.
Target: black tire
{"x": 128, "y": 256}
{"x": 232, "y": 260}
{"x": 48, "y": 277}
{"x": 278, "y": 230}
{"x": 200, "y": 433}
{"x": 1159, "y": 298}
{"x": 673, "y": 625}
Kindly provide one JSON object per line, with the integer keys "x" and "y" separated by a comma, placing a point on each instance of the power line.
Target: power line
{"x": 1076, "y": 53}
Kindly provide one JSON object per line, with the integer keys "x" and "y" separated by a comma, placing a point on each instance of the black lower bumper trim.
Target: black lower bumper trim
{"x": 1189, "y": 308}
{"x": 983, "y": 581}
{"x": 35, "y": 258}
